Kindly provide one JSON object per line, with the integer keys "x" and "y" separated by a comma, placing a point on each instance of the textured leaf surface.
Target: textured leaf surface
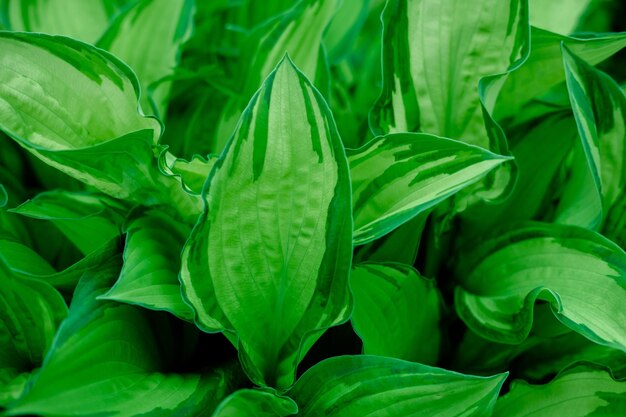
{"x": 580, "y": 273}
{"x": 249, "y": 402}
{"x": 578, "y": 392}
{"x": 396, "y": 312}
{"x": 104, "y": 360}
{"x": 149, "y": 276}
{"x": 398, "y": 176}
{"x": 148, "y": 37}
{"x": 423, "y": 41}
{"x": 377, "y": 386}
{"x": 279, "y": 248}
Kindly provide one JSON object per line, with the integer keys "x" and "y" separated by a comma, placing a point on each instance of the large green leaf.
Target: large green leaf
{"x": 297, "y": 32}
{"x": 148, "y": 37}
{"x": 249, "y": 402}
{"x": 79, "y": 19}
{"x": 580, "y": 273}
{"x": 270, "y": 262}
{"x": 396, "y": 312}
{"x": 544, "y": 66}
{"x": 149, "y": 276}
{"x": 88, "y": 220}
{"x": 398, "y": 176}
{"x": 105, "y": 361}
{"x": 376, "y": 386}
{"x": 599, "y": 106}
{"x": 578, "y": 392}
{"x": 559, "y": 16}
{"x": 434, "y": 54}
{"x": 75, "y": 107}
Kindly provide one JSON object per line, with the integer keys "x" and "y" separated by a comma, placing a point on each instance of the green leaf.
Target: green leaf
{"x": 434, "y": 54}
{"x": 253, "y": 402}
{"x": 398, "y": 176}
{"x": 105, "y": 361}
{"x": 580, "y": 273}
{"x": 88, "y": 220}
{"x": 149, "y": 276}
{"x": 192, "y": 174}
{"x": 599, "y": 106}
{"x": 544, "y": 66}
{"x": 279, "y": 249}
{"x": 559, "y": 16}
{"x": 148, "y": 37}
{"x": 578, "y": 392}
{"x": 87, "y": 20}
{"x": 364, "y": 385}
{"x": 396, "y": 312}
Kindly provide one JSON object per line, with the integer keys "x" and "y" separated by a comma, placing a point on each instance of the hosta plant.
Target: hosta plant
{"x": 315, "y": 208}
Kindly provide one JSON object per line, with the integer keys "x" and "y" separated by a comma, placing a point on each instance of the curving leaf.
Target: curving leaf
{"x": 577, "y": 392}
{"x": 88, "y": 220}
{"x": 279, "y": 248}
{"x": 105, "y": 361}
{"x": 580, "y": 273}
{"x": 422, "y": 41}
{"x": 347, "y": 386}
{"x": 254, "y": 402}
{"x": 192, "y": 174}
{"x": 396, "y": 312}
{"x": 544, "y": 66}
{"x": 149, "y": 276}
{"x": 599, "y": 107}
{"x": 87, "y": 20}
{"x": 149, "y": 37}
{"x": 398, "y": 176}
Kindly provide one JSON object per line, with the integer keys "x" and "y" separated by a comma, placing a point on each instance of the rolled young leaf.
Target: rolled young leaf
{"x": 269, "y": 259}
{"x": 347, "y": 386}
{"x": 396, "y": 312}
{"x": 258, "y": 403}
{"x": 580, "y": 273}
{"x": 398, "y": 176}
{"x": 578, "y": 392}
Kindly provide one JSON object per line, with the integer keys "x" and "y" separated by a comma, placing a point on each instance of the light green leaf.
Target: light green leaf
{"x": 580, "y": 273}
{"x": 297, "y": 32}
{"x": 544, "y": 66}
{"x": 398, "y": 176}
{"x": 149, "y": 276}
{"x": 578, "y": 392}
{"x": 105, "y": 361}
{"x": 279, "y": 249}
{"x": 423, "y": 40}
{"x": 559, "y": 16}
{"x": 192, "y": 174}
{"x": 347, "y": 386}
{"x": 88, "y": 220}
{"x": 79, "y": 19}
{"x": 253, "y": 402}
{"x": 599, "y": 106}
{"x": 396, "y": 312}
{"x": 148, "y": 37}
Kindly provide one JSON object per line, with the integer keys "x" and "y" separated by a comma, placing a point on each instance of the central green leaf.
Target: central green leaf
{"x": 269, "y": 259}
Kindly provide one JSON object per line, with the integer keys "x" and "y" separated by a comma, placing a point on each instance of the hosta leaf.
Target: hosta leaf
{"x": 105, "y": 361}
{"x": 377, "y": 386}
{"x": 87, "y": 20}
{"x": 192, "y": 174}
{"x": 396, "y": 312}
{"x": 297, "y": 32}
{"x": 559, "y": 16}
{"x": 149, "y": 276}
{"x": 250, "y": 402}
{"x": 578, "y": 392}
{"x": 544, "y": 66}
{"x": 88, "y": 220}
{"x": 599, "y": 106}
{"x": 152, "y": 53}
{"x": 580, "y": 273}
{"x": 398, "y": 176}
{"x": 422, "y": 41}
{"x": 278, "y": 249}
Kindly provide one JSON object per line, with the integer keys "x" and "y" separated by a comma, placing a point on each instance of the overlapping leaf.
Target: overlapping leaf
{"x": 248, "y": 402}
{"x": 275, "y": 240}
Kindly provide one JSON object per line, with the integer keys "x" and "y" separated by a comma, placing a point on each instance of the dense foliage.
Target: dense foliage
{"x": 322, "y": 208}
